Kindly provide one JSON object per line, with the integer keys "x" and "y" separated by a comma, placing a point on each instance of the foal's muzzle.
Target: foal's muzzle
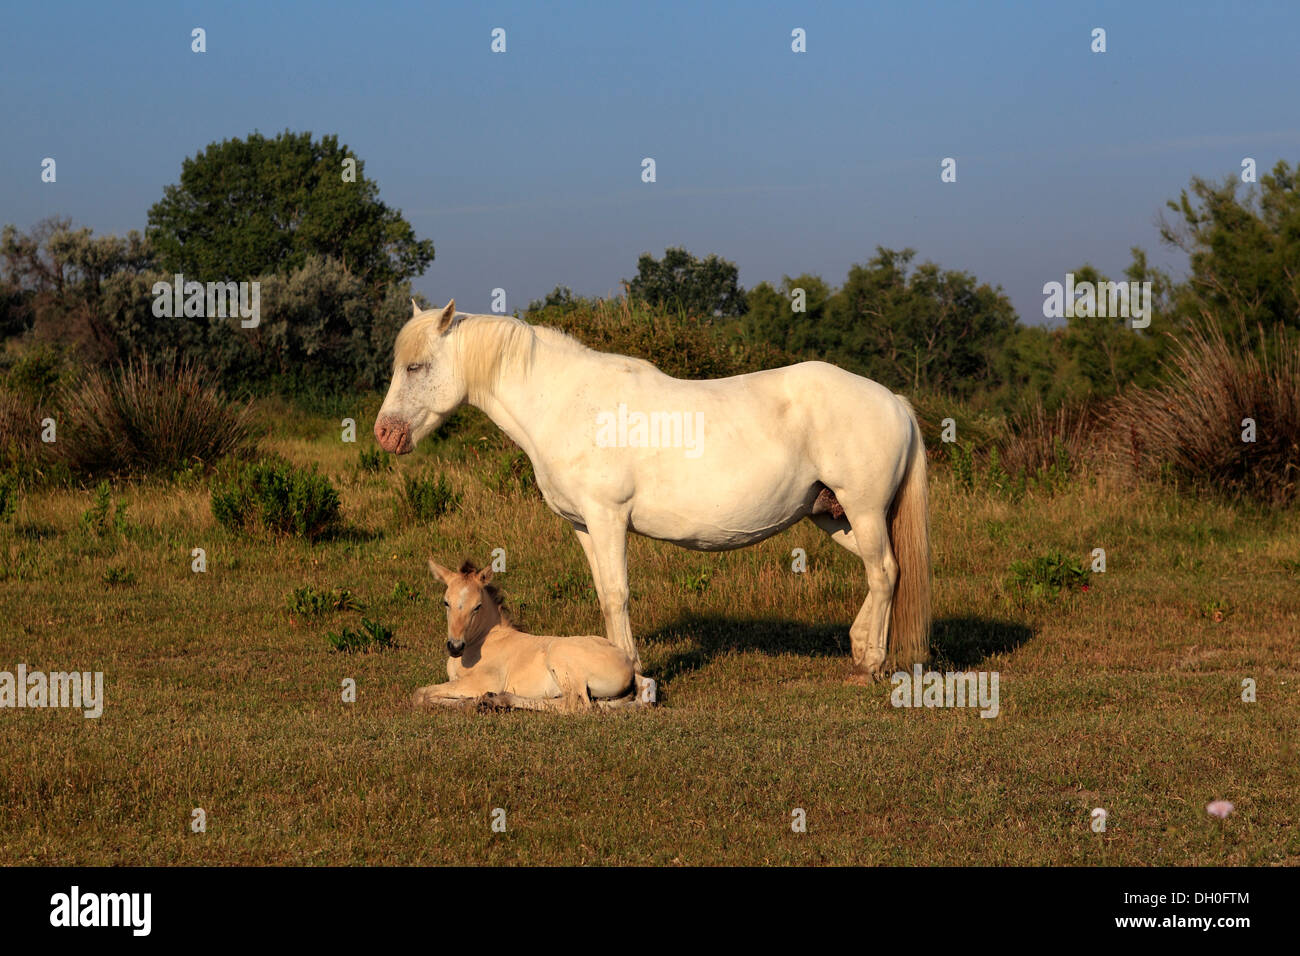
{"x": 455, "y": 648}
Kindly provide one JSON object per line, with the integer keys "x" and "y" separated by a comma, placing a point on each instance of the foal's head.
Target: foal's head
{"x": 473, "y": 604}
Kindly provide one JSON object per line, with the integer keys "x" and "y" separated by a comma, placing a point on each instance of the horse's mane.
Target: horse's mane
{"x": 487, "y": 346}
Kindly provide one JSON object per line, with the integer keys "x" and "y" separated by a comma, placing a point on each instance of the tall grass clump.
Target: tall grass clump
{"x": 144, "y": 420}
{"x": 1190, "y": 430}
{"x": 1048, "y": 447}
{"x": 275, "y": 496}
{"x": 22, "y": 453}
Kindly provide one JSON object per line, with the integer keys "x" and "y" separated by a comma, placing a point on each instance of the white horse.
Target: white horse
{"x": 619, "y": 446}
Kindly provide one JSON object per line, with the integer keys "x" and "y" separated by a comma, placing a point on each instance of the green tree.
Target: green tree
{"x": 773, "y": 316}
{"x": 73, "y": 288}
{"x": 1244, "y": 253}
{"x": 1105, "y": 350}
{"x": 705, "y": 287}
{"x": 249, "y": 207}
{"x": 918, "y": 328}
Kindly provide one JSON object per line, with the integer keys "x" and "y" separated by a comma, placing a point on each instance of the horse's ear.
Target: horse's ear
{"x": 440, "y": 571}
{"x": 415, "y": 309}
{"x": 485, "y": 576}
{"x": 444, "y": 321}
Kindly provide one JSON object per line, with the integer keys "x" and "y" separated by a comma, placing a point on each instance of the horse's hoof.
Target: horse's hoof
{"x": 866, "y": 676}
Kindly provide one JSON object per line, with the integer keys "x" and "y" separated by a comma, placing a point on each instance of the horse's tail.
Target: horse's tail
{"x": 909, "y": 534}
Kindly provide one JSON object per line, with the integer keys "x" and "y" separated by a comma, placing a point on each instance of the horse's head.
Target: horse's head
{"x": 426, "y": 386}
{"x": 473, "y": 604}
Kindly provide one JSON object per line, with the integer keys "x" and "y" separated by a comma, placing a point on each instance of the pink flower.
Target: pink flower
{"x": 1219, "y": 808}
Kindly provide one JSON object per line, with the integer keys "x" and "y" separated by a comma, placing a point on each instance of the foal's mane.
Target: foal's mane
{"x": 487, "y": 346}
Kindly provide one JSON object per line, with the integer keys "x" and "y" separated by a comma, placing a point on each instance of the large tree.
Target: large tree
{"x": 1244, "y": 252}
{"x": 704, "y": 287}
{"x": 249, "y": 207}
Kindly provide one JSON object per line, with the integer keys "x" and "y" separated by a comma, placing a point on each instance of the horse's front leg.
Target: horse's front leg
{"x": 604, "y": 539}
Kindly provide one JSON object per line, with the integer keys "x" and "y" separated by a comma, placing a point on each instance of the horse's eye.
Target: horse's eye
{"x": 478, "y": 607}
{"x": 445, "y": 604}
{"x": 414, "y": 368}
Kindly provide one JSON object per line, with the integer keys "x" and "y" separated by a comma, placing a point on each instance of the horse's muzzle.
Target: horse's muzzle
{"x": 393, "y": 435}
{"x": 455, "y": 648}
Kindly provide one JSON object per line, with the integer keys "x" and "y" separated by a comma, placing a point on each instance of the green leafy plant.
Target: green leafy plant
{"x": 427, "y": 499}
{"x": 696, "y": 581}
{"x": 510, "y": 471}
{"x": 371, "y": 636}
{"x": 308, "y": 601}
{"x": 116, "y": 576}
{"x": 404, "y": 593}
{"x": 1047, "y": 575}
{"x": 276, "y": 496}
{"x": 104, "y": 517}
{"x": 374, "y": 461}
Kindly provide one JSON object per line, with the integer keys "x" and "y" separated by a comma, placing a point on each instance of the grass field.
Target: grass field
{"x": 1127, "y": 696}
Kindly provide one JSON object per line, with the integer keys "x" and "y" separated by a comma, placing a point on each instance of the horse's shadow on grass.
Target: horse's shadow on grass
{"x": 957, "y": 643}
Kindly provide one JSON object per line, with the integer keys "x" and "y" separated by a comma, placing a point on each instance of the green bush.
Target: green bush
{"x": 427, "y": 499}
{"x": 275, "y": 496}
{"x": 139, "y": 419}
{"x": 1047, "y": 575}
{"x": 374, "y": 461}
{"x": 510, "y": 471}
{"x": 104, "y": 517}
{"x": 308, "y": 601}
{"x": 371, "y": 636}
{"x": 684, "y": 346}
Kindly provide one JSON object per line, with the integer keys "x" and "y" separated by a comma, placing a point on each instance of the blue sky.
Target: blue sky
{"x": 524, "y": 167}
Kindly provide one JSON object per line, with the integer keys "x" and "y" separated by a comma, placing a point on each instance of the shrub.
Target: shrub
{"x": 1047, "y": 574}
{"x": 1048, "y": 447}
{"x": 22, "y": 453}
{"x": 1190, "y": 430}
{"x": 104, "y": 517}
{"x": 308, "y": 601}
{"x": 371, "y": 636}
{"x": 144, "y": 420}
{"x": 275, "y": 496}
{"x": 427, "y": 499}
{"x": 510, "y": 471}
{"x": 374, "y": 461}
{"x": 684, "y": 346}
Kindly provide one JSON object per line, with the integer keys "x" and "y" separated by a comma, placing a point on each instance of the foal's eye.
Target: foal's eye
{"x": 445, "y": 604}
{"x": 478, "y": 606}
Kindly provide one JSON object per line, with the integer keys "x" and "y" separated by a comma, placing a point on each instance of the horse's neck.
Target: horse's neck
{"x": 515, "y": 401}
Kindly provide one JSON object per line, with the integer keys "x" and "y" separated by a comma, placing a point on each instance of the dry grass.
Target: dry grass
{"x": 1126, "y": 697}
{"x": 1191, "y": 430}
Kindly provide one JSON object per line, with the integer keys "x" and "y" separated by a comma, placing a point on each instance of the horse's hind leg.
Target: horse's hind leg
{"x": 868, "y": 538}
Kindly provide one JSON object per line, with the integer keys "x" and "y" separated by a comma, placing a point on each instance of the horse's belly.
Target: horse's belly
{"x": 721, "y": 527}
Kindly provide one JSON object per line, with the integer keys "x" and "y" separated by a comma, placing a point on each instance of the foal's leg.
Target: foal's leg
{"x": 605, "y": 542}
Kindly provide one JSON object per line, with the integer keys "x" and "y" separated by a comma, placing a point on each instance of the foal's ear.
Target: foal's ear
{"x": 444, "y": 320}
{"x": 415, "y": 309}
{"x": 485, "y": 576}
{"x": 440, "y": 571}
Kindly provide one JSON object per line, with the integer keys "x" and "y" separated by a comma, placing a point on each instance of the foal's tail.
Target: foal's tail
{"x": 909, "y": 534}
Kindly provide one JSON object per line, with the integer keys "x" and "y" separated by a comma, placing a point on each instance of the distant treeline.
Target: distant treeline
{"x": 335, "y": 265}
